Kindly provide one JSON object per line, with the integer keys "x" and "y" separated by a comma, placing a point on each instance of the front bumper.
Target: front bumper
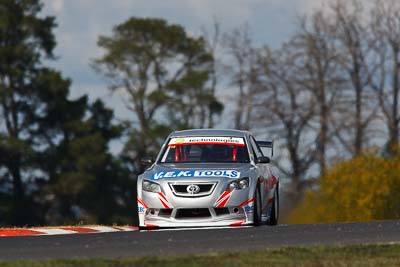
{"x": 195, "y": 217}
{"x": 228, "y": 208}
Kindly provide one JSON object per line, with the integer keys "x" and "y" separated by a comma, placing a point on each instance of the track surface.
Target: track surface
{"x": 135, "y": 244}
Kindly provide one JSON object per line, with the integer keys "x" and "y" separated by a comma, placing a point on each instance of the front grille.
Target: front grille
{"x": 192, "y": 213}
{"x": 180, "y": 189}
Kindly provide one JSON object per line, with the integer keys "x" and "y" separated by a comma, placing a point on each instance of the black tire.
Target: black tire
{"x": 274, "y": 216}
{"x": 257, "y": 208}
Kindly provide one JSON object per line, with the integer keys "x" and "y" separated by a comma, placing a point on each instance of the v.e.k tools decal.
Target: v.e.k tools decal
{"x": 196, "y": 173}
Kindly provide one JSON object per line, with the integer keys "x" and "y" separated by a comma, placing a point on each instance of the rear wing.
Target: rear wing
{"x": 267, "y": 145}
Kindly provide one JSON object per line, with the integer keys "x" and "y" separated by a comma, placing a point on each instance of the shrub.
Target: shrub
{"x": 364, "y": 188}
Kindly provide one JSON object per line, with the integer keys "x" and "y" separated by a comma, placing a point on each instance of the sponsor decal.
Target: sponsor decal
{"x": 249, "y": 208}
{"x": 177, "y": 141}
{"x": 238, "y": 141}
{"x": 196, "y": 173}
{"x": 141, "y": 209}
{"x": 248, "y": 205}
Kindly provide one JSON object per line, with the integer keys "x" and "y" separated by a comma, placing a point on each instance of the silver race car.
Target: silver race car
{"x": 209, "y": 178}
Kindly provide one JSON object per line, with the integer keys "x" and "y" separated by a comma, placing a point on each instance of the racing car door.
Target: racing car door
{"x": 262, "y": 165}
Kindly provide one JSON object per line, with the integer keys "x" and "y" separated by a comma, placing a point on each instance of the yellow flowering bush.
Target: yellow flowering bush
{"x": 364, "y": 188}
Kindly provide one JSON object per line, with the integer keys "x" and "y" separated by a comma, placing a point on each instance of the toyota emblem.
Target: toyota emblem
{"x": 193, "y": 189}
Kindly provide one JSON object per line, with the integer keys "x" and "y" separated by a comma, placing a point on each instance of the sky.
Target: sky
{"x": 80, "y": 22}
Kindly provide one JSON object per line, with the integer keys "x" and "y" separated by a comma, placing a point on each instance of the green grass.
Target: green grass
{"x": 368, "y": 255}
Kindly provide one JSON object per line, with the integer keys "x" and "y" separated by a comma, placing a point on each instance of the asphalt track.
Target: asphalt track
{"x": 190, "y": 241}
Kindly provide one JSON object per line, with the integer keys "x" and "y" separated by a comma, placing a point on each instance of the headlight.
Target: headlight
{"x": 239, "y": 184}
{"x": 150, "y": 186}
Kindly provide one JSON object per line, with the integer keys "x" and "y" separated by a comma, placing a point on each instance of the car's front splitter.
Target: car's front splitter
{"x": 175, "y": 217}
{"x": 229, "y": 208}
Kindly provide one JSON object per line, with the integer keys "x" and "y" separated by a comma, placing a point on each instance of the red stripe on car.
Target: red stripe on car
{"x": 246, "y": 202}
{"x": 223, "y": 195}
{"x": 150, "y": 225}
{"x": 163, "y": 196}
{"x": 223, "y": 203}
{"x": 237, "y": 223}
{"x": 223, "y": 198}
{"x": 164, "y": 203}
{"x": 274, "y": 180}
{"x": 234, "y": 153}
{"x": 142, "y": 202}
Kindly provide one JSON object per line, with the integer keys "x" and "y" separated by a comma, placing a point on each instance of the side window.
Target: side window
{"x": 255, "y": 147}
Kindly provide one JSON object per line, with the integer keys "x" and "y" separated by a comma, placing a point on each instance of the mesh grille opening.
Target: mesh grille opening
{"x": 192, "y": 213}
{"x": 221, "y": 211}
{"x": 165, "y": 212}
{"x": 182, "y": 188}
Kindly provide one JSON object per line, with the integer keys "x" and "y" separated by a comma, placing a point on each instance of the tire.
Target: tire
{"x": 274, "y": 216}
{"x": 257, "y": 208}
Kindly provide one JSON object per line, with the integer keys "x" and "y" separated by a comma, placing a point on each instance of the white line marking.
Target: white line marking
{"x": 103, "y": 228}
{"x": 51, "y": 231}
{"x": 126, "y": 228}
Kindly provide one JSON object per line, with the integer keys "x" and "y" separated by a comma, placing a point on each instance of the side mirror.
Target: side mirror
{"x": 264, "y": 160}
{"x": 147, "y": 161}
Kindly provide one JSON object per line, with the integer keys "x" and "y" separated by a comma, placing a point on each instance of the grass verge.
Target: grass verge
{"x": 365, "y": 255}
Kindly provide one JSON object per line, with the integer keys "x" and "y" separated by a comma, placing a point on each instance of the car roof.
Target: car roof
{"x": 210, "y": 132}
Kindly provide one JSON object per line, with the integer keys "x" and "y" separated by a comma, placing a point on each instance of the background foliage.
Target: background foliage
{"x": 364, "y": 188}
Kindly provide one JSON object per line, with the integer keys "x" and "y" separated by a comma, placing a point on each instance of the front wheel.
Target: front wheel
{"x": 257, "y": 208}
{"x": 274, "y": 215}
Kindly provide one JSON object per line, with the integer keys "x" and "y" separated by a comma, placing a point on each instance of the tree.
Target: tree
{"x": 385, "y": 26}
{"x": 25, "y": 40}
{"x": 109, "y": 198}
{"x": 285, "y": 109}
{"x": 213, "y": 43}
{"x": 242, "y": 68}
{"x": 356, "y": 108}
{"x": 160, "y": 69}
{"x": 82, "y": 180}
{"x": 321, "y": 75}
{"x": 54, "y": 158}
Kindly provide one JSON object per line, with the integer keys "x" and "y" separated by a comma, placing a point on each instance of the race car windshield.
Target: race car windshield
{"x": 206, "y": 149}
